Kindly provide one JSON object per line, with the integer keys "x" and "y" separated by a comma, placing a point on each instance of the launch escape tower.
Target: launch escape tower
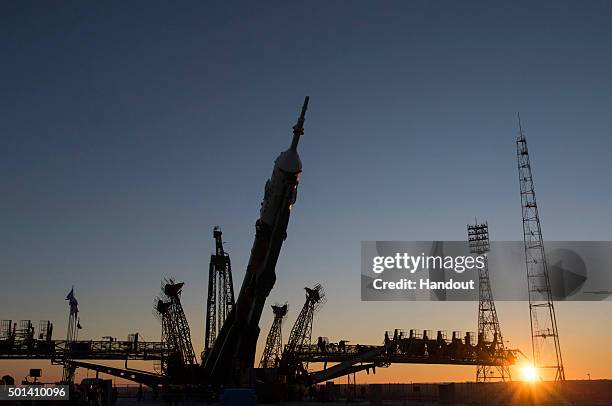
{"x": 220, "y": 299}
{"x": 274, "y": 343}
{"x": 545, "y": 345}
{"x": 488, "y": 323}
{"x": 175, "y": 329}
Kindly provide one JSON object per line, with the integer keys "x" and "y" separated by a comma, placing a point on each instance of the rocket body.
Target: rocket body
{"x": 233, "y": 354}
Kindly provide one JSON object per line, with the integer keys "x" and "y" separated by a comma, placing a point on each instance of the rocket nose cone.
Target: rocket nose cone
{"x": 289, "y": 161}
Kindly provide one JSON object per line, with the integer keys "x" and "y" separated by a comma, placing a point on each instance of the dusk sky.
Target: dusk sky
{"x": 130, "y": 129}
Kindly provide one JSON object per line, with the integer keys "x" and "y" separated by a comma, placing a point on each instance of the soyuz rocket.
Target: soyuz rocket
{"x": 231, "y": 360}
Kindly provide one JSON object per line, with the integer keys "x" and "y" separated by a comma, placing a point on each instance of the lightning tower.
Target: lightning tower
{"x": 220, "y": 299}
{"x": 274, "y": 343}
{"x": 488, "y": 323}
{"x": 545, "y": 345}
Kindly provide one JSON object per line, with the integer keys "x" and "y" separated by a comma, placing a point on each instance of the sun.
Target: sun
{"x": 530, "y": 374}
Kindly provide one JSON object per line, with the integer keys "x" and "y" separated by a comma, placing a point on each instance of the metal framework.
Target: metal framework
{"x": 162, "y": 311}
{"x": 399, "y": 347}
{"x": 545, "y": 345}
{"x": 291, "y": 365}
{"x": 302, "y": 329}
{"x": 220, "y": 301}
{"x": 274, "y": 343}
{"x": 414, "y": 348}
{"x": 6, "y": 330}
{"x": 175, "y": 329}
{"x": 82, "y": 349}
{"x": 488, "y": 323}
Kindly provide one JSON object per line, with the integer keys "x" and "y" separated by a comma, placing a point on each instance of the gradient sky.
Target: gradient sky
{"x": 129, "y": 129}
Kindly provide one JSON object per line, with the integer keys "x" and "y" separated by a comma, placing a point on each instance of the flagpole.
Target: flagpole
{"x": 71, "y": 334}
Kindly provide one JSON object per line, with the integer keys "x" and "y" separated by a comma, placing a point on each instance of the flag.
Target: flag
{"x": 72, "y": 301}
{"x": 71, "y": 297}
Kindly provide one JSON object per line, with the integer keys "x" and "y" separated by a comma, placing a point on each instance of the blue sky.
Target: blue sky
{"x": 129, "y": 129}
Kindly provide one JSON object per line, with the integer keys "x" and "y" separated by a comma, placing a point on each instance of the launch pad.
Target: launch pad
{"x": 232, "y": 324}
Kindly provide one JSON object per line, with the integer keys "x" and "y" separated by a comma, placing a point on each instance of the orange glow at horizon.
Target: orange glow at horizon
{"x": 529, "y": 373}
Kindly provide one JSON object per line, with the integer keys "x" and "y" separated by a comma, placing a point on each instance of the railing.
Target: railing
{"x": 413, "y": 350}
{"x": 54, "y": 349}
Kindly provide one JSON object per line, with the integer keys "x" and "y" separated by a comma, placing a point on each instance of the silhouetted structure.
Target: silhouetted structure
{"x": 71, "y": 337}
{"x": 544, "y": 334}
{"x": 229, "y": 362}
{"x": 175, "y": 329}
{"x": 232, "y": 357}
{"x": 301, "y": 332}
{"x": 302, "y": 329}
{"x": 274, "y": 343}
{"x": 7, "y": 332}
{"x": 220, "y": 301}
{"x": 488, "y": 323}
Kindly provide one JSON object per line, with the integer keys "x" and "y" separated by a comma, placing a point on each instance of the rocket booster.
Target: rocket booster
{"x": 233, "y": 354}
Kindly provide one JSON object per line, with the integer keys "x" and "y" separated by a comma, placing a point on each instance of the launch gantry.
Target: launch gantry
{"x": 220, "y": 300}
{"x": 273, "y": 350}
{"x": 175, "y": 329}
{"x": 300, "y": 336}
